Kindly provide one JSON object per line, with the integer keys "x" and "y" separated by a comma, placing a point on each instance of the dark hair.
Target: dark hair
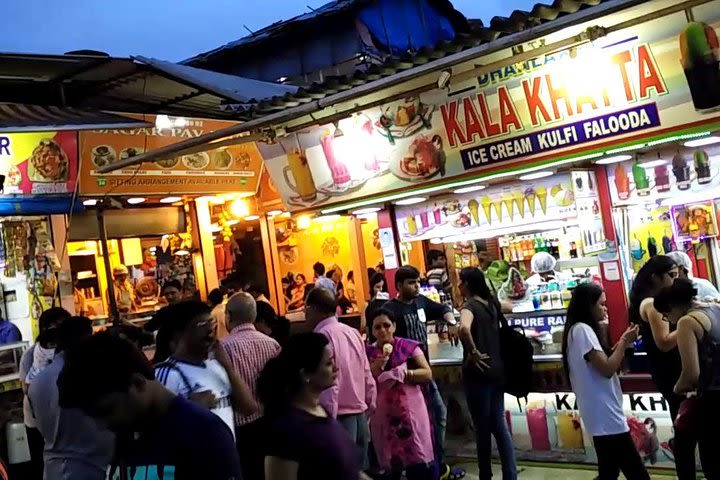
{"x": 406, "y": 272}
{"x": 433, "y": 255}
{"x": 319, "y": 269}
{"x": 371, "y": 272}
{"x": 281, "y": 379}
{"x": 97, "y": 366}
{"x": 71, "y": 331}
{"x": 216, "y": 296}
{"x": 176, "y": 320}
{"x": 279, "y": 326}
{"x": 323, "y": 300}
{"x": 584, "y": 298}
{"x": 680, "y": 293}
{"x": 172, "y": 284}
{"x": 48, "y": 322}
{"x": 644, "y": 284}
{"x": 474, "y": 280}
{"x": 330, "y": 273}
{"x": 257, "y": 288}
{"x": 301, "y": 275}
{"x": 350, "y": 276}
{"x": 380, "y": 312}
{"x": 381, "y": 266}
{"x": 376, "y": 278}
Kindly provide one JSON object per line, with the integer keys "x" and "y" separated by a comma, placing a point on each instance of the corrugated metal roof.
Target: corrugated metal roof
{"x": 131, "y": 85}
{"x": 518, "y": 21}
{"x": 35, "y": 118}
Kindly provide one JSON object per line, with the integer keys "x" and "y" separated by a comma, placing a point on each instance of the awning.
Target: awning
{"x": 130, "y": 85}
{"x": 16, "y": 118}
{"x": 39, "y": 205}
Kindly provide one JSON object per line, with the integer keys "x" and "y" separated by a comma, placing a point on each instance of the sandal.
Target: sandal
{"x": 452, "y": 473}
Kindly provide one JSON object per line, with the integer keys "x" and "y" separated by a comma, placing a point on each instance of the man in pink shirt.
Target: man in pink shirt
{"x": 354, "y": 391}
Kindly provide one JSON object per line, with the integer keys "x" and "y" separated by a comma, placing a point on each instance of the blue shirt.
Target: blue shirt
{"x": 9, "y": 332}
{"x": 76, "y": 446}
{"x": 188, "y": 442}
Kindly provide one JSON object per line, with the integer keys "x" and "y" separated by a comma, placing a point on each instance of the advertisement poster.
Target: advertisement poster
{"x": 229, "y": 169}
{"x": 677, "y": 174}
{"x": 483, "y": 214}
{"x": 631, "y": 82}
{"x": 39, "y": 163}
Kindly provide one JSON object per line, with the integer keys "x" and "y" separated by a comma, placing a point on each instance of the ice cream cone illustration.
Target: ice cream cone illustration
{"x": 507, "y": 199}
{"x": 541, "y": 193}
{"x": 473, "y": 206}
{"x": 518, "y": 200}
{"x": 699, "y": 55}
{"x": 497, "y": 206}
{"x": 486, "y": 203}
{"x": 530, "y": 199}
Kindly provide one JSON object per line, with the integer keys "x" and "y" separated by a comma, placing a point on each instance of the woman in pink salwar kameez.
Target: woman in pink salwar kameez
{"x": 400, "y": 425}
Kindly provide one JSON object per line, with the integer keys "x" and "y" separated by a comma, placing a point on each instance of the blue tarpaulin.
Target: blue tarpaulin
{"x": 38, "y": 205}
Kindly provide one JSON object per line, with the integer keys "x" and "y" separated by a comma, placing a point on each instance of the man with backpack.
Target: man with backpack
{"x": 412, "y": 311}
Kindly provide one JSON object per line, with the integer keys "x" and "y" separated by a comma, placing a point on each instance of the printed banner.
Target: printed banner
{"x": 229, "y": 169}
{"x": 39, "y": 163}
{"x": 596, "y": 95}
{"x": 479, "y": 214}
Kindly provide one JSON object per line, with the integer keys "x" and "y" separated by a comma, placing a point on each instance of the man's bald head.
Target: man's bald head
{"x": 320, "y": 304}
{"x": 240, "y": 308}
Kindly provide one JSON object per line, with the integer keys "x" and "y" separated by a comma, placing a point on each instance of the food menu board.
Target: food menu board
{"x": 39, "y": 163}
{"x": 479, "y": 213}
{"x": 627, "y": 85}
{"x": 667, "y": 174}
{"x": 230, "y": 169}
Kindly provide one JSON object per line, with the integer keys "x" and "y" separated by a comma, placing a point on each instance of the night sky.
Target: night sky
{"x": 166, "y": 29}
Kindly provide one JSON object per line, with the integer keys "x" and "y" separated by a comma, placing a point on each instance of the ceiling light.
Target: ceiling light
{"x": 182, "y": 252}
{"x": 537, "y": 175}
{"x": 654, "y": 163}
{"x": 436, "y": 241}
{"x": 365, "y": 211}
{"x": 273, "y": 213}
{"x": 629, "y": 148}
{"x": 471, "y": 188}
{"x": 251, "y": 218}
{"x": 215, "y": 228}
{"x": 232, "y": 222}
{"x": 613, "y": 159}
{"x": 170, "y": 199}
{"x": 135, "y": 200}
{"x": 411, "y": 201}
{"x": 239, "y": 208}
{"x": 326, "y": 218}
{"x": 701, "y": 142}
{"x": 90, "y": 202}
{"x": 304, "y": 221}
{"x": 286, "y": 214}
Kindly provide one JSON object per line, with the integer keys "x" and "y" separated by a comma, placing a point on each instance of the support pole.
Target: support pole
{"x": 114, "y": 312}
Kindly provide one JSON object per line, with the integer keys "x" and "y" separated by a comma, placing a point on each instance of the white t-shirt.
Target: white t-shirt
{"x": 599, "y": 398}
{"x": 185, "y": 378}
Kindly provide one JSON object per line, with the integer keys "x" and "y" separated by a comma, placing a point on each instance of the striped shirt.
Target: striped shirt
{"x": 249, "y": 351}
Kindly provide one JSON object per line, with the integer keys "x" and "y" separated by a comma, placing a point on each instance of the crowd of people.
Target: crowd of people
{"x": 230, "y": 394}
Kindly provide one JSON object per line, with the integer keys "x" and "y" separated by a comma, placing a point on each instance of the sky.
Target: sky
{"x": 165, "y": 29}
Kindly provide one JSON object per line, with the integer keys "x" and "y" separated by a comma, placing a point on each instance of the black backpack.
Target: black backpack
{"x": 517, "y": 356}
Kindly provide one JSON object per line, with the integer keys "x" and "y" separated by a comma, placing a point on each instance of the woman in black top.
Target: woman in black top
{"x": 483, "y": 372}
{"x": 660, "y": 342}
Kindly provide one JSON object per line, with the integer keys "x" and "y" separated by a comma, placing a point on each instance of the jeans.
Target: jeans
{"x": 616, "y": 453}
{"x": 357, "y": 426}
{"x": 486, "y": 402}
{"x": 684, "y": 441}
{"x": 438, "y": 417}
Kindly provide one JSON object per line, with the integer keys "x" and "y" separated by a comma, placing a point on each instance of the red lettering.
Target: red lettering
{"x": 452, "y": 127}
{"x": 556, "y": 95}
{"x": 587, "y": 99}
{"x": 473, "y": 126}
{"x": 621, "y": 60}
{"x": 491, "y": 128}
{"x": 508, "y": 115}
{"x": 648, "y": 73}
{"x": 534, "y": 102}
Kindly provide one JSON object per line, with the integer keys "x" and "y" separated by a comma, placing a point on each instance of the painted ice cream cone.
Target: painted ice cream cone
{"x": 497, "y": 206}
{"x": 541, "y": 193}
{"x": 507, "y": 199}
{"x": 530, "y": 198}
{"x": 518, "y": 200}
{"x": 486, "y": 203}
{"x": 473, "y": 206}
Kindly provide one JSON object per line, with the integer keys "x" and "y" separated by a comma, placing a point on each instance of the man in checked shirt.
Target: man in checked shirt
{"x": 249, "y": 351}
